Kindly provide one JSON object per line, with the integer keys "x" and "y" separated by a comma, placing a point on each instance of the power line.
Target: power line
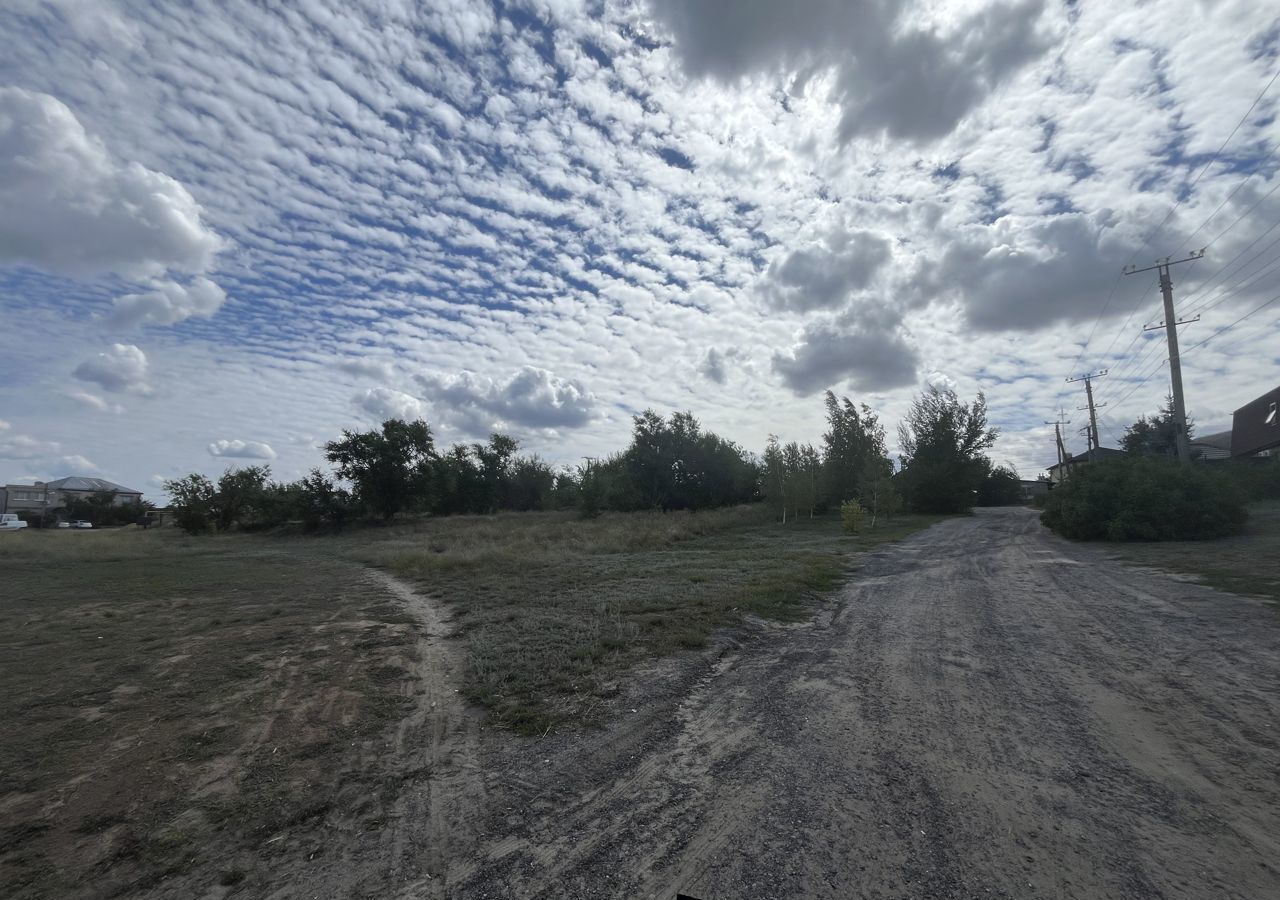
{"x": 1199, "y": 292}
{"x": 1159, "y": 228}
{"x": 1227, "y": 293}
{"x": 1256, "y": 309}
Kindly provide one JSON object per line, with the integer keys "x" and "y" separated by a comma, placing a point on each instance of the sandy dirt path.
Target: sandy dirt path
{"x": 984, "y": 711}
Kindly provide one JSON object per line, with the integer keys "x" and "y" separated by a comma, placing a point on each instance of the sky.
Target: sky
{"x": 228, "y": 231}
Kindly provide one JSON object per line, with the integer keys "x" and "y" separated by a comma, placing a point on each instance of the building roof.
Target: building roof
{"x": 1091, "y": 456}
{"x": 1221, "y": 440}
{"x": 80, "y": 483}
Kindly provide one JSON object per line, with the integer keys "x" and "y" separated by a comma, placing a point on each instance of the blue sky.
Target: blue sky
{"x": 228, "y": 232}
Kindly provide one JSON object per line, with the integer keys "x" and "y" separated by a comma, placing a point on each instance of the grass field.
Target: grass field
{"x": 553, "y": 607}
{"x": 183, "y": 714}
{"x": 1247, "y": 563}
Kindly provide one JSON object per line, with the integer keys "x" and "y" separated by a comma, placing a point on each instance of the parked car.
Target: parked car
{"x": 81, "y": 523}
{"x": 64, "y": 524}
{"x": 10, "y": 522}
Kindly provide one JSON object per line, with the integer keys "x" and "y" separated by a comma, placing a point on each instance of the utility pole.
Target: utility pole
{"x": 1170, "y": 326}
{"x": 1062, "y": 450}
{"x": 1092, "y": 407}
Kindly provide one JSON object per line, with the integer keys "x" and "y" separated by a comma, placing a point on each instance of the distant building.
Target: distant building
{"x": 1034, "y": 487}
{"x": 54, "y": 496}
{"x": 1060, "y": 471}
{"x": 1210, "y": 447}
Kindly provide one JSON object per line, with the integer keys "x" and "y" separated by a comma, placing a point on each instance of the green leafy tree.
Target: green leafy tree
{"x": 1156, "y": 435}
{"x": 192, "y": 498}
{"x": 391, "y": 467}
{"x": 853, "y": 442}
{"x": 876, "y": 491}
{"x": 775, "y": 478}
{"x": 942, "y": 442}
{"x": 592, "y": 489}
{"x": 1000, "y": 487}
{"x": 674, "y": 464}
{"x": 241, "y": 495}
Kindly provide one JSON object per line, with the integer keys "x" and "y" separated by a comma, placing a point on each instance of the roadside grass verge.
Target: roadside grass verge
{"x": 171, "y": 705}
{"x": 1247, "y": 563}
{"x": 553, "y": 608}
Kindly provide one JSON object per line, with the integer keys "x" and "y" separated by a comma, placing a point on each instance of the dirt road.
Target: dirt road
{"x": 985, "y": 711}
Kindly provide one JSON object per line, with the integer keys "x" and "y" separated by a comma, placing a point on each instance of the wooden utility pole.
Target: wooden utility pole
{"x": 1057, "y": 433}
{"x": 1092, "y": 407}
{"x": 1170, "y": 326}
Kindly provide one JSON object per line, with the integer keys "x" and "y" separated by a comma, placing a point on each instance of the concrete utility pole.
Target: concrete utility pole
{"x": 1170, "y": 326}
{"x": 1092, "y": 407}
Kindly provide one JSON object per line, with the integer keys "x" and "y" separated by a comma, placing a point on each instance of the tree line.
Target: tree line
{"x": 672, "y": 463}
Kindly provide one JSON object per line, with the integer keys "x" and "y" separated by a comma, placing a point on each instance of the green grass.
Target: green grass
{"x": 552, "y": 607}
{"x": 1247, "y": 563}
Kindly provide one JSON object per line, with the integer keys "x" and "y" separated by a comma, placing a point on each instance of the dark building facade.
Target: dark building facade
{"x": 1254, "y": 427}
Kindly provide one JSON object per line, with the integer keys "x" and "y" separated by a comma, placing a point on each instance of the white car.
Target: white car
{"x": 10, "y": 522}
{"x": 81, "y": 523}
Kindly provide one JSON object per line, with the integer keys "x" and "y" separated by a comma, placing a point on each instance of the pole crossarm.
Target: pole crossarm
{"x": 1162, "y": 325}
{"x": 1165, "y": 263}
{"x": 1087, "y": 377}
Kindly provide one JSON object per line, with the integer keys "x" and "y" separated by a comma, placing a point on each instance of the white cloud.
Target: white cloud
{"x": 531, "y": 397}
{"x": 237, "y": 449}
{"x": 23, "y": 446}
{"x": 77, "y": 463}
{"x": 168, "y": 303}
{"x": 122, "y": 368}
{"x": 93, "y": 401}
{"x": 385, "y": 403}
{"x": 67, "y": 206}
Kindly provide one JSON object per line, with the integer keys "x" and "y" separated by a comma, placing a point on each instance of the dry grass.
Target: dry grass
{"x": 1248, "y": 563}
{"x": 170, "y": 705}
{"x": 553, "y": 608}
{"x": 186, "y": 715}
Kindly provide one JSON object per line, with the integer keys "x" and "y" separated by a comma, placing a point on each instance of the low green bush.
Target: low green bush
{"x": 1145, "y": 499}
{"x": 853, "y": 517}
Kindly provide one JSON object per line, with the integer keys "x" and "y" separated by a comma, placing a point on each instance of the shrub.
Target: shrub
{"x": 1144, "y": 499}
{"x": 852, "y": 516}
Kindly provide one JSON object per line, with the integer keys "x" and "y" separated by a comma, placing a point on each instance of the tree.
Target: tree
{"x": 674, "y": 464}
{"x": 854, "y": 441}
{"x": 240, "y": 494}
{"x": 775, "y": 478}
{"x": 942, "y": 441}
{"x": 876, "y": 491}
{"x": 391, "y": 468}
{"x": 1155, "y": 436}
{"x": 1000, "y": 487}
{"x": 192, "y": 499}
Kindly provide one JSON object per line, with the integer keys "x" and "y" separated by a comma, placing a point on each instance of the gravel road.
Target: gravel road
{"x": 984, "y": 711}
